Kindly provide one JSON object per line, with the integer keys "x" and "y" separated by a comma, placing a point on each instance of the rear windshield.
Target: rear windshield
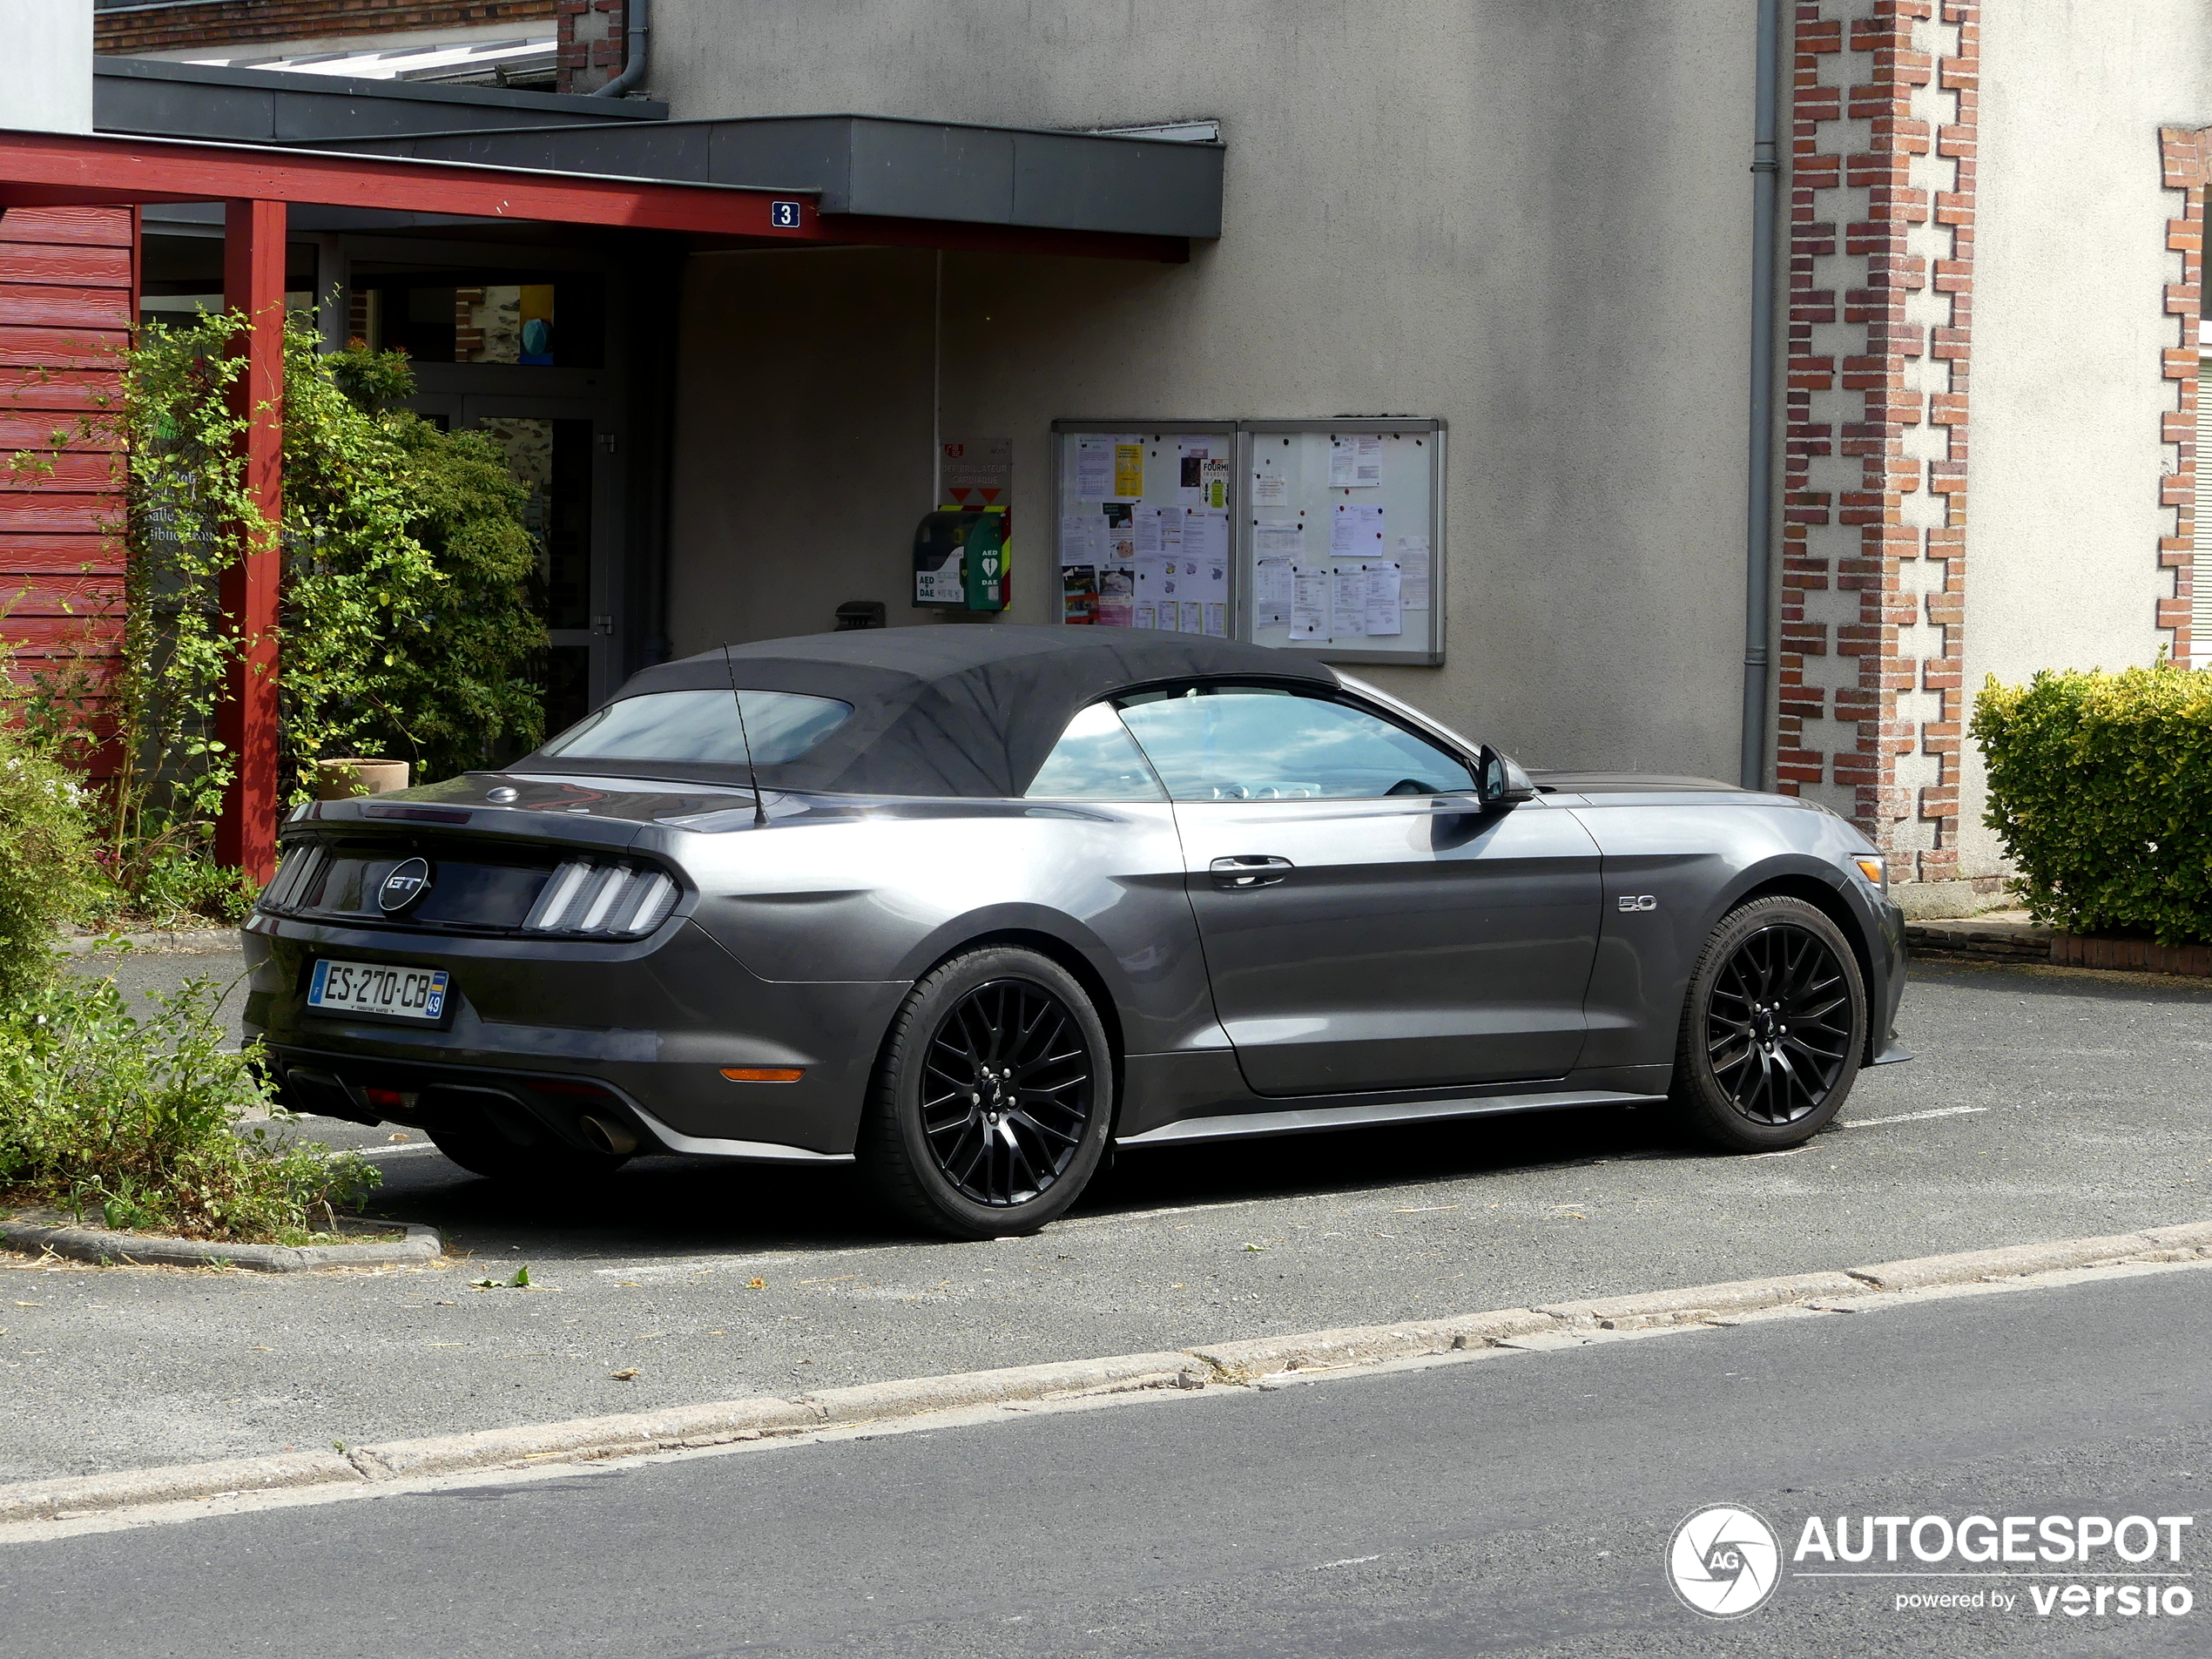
{"x": 703, "y": 727}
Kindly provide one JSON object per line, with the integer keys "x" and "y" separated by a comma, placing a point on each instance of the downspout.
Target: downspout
{"x": 1758, "y": 544}
{"x": 637, "y": 16}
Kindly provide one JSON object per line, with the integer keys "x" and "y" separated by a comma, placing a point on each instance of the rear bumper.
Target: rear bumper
{"x": 567, "y": 1030}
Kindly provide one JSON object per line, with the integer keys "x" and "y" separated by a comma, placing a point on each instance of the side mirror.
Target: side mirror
{"x": 1502, "y": 782}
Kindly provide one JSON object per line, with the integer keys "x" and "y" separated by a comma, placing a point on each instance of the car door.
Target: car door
{"x": 1366, "y": 924}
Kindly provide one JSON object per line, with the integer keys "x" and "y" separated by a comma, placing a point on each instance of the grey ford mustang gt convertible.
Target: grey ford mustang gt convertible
{"x": 967, "y": 904}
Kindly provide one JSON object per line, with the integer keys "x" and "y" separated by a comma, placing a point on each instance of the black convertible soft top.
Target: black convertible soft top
{"x": 962, "y": 709}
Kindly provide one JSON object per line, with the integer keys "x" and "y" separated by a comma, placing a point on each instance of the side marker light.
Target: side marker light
{"x": 763, "y": 1074}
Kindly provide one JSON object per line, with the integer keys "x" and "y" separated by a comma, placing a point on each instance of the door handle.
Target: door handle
{"x": 1249, "y": 870}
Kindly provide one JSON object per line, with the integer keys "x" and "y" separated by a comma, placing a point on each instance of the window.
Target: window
{"x": 703, "y": 727}
{"x": 1096, "y": 760}
{"x": 1262, "y": 743}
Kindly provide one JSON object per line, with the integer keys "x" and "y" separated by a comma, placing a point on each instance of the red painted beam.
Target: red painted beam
{"x": 44, "y": 169}
{"x": 253, "y": 284}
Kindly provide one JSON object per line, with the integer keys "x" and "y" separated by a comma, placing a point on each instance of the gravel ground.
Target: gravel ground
{"x": 2047, "y": 1104}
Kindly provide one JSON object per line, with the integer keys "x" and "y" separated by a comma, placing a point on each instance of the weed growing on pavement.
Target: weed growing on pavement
{"x": 131, "y": 1124}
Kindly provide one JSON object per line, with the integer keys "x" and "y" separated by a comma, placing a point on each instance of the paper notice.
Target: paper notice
{"x": 1118, "y": 531}
{"x": 1217, "y": 620}
{"x": 1383, "y": 602}
{"x": 1355, "y": 532}
{"x": 1190, "y": 457}
{"x": 1348, "y": 601}
{"x": 1367, "y": 460}
{"x": 1280, "y": 541}
{"x": 1129, "y": 470}
{"x": 1270, "y": 487}
{"x": 1149, "y": 546}
{"x": 1342, "y": 458}
{"x": 1115, "y": 591}
{"x": 1194, "y": 617}
{"x": 1271, "y": 592}
{"x": 1093, "y": 469}
{"x": 1214, "y": 487}
{"x": 1309, "y": 603}
{"x": 1205, "y": 534}
{"x": 1143, "y": 614}
{"x": 1076, "y": 545}
{"x": 1413, "y": 559}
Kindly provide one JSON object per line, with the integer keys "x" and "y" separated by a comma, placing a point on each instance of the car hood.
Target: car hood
{"x": 1617, "y": 783}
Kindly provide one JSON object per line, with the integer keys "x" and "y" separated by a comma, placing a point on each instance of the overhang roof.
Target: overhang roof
{"x": 879, "y": 166}
{"x": 164, "y": 100}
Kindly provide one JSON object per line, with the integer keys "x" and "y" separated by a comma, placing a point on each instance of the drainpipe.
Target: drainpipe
{"x": 633, "y": 60}
{"x": 1758, "y": 548}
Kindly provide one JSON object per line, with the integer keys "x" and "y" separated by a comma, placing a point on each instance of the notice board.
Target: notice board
{"x": 1317, "y": 535}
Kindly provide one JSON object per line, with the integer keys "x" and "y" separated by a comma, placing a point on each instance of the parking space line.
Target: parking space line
{"x": 1909, "y": 1117}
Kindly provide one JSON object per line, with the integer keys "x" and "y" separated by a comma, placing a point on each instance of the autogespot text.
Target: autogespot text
{"x": 2070, "y": 1566}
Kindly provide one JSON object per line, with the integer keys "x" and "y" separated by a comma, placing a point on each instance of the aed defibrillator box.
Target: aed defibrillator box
{"x": 960, "y": 559}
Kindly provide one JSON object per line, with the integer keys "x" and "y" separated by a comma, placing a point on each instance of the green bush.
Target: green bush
{"x": 46, "y": 875}
{"x": 134, "y": 1125}
{"x": 2100, "y": 787}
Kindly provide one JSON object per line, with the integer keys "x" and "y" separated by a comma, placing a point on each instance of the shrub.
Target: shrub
{"x": 133, "y": 1123}
{"x": 2100, "y": 787}
{"x": 45, "y": 862}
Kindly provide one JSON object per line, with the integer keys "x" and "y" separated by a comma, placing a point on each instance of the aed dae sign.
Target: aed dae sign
{"x": 1726, "y": 1561}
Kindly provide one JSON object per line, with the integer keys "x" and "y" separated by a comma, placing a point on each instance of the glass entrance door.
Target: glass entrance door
{"x": 562, "y": 451}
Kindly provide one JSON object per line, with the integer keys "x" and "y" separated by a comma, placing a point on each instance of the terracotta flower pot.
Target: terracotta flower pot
{"x": 342, "y": 780}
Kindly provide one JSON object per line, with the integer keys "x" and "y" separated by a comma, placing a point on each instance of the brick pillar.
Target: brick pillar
{"x": 2184, "y": 153}
{"x": 1881, "y": 293}
{"x": 591, "y": 43}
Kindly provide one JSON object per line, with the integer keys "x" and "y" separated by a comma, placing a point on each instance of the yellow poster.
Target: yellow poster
{"x": 1129, "y": 471}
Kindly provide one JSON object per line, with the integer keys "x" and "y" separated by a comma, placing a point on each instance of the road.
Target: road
{"x": 2077, "y": 1106}
{"x": 1515, "y": 1503}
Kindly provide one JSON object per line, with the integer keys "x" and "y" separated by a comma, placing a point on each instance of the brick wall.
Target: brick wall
{"x": 121, "y": 33}
{"x": 1881, "y": 290}
{"x": 591, "y": 43}
{"x": 2186, "y": 153}
{"x": 68, "y": 297}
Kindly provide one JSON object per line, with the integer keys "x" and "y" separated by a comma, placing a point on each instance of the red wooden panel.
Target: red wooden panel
{"x": 93, "y": 598}
{"x": 56, "y": 388}
{"x": 60, "y": 348}
{"x": 57, "y": 513}
{"x": 90, "y": 226}
{"x": 51, "y": 636}
{"x": 23, "y": 556}
{"x": 74, "y": 470}
{"x": 104, "y": 267}
{"x": 37, "y": 429}
{"x": 69, "y": 307}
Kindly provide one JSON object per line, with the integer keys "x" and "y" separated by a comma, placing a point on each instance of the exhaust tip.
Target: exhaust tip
{"x": 611, "y": 1139}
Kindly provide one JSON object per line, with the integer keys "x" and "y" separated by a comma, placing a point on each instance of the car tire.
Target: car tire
{"x": 482, "y": 1147}
{"x": 992, "y": 1097}
{"x": 1744, "y": 1080}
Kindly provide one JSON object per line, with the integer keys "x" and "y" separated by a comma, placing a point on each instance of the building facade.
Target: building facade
{"x": 1527, "y": 228}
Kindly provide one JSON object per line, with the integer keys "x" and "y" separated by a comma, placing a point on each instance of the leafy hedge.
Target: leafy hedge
{"x": 45, "y": 861}
{"x": 2100, "y": 786}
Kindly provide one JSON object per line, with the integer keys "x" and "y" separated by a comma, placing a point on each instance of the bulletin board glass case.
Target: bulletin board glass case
{"x": 1319, "y": 536}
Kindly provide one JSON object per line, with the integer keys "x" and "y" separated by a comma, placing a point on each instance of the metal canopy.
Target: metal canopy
{"x": 881, "y": 167}
{"x": 164, "y": 100}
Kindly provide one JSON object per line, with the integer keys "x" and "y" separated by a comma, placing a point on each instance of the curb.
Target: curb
{"x": 37, "y": 1234}
{"x": 183, "y": 942}
{"x": 1238, "y": 1363}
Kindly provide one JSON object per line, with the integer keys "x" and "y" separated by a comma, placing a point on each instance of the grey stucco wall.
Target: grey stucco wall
{"x": 1529, "y": 217}
{"x": 2070, "y": 271}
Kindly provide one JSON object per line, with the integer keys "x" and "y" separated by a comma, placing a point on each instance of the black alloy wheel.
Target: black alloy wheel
{"x": 1774, "y": 1029}
{"x": 1006, "y": 1094}
{"x": 991, "y": 1102}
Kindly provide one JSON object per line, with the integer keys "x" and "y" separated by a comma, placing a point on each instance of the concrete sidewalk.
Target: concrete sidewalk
{"x": 2046, "y": 1104}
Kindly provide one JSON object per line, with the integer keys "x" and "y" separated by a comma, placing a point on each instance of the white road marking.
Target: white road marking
{"x": 389, "y": 1151}
{"x": 1909, "y": 1117}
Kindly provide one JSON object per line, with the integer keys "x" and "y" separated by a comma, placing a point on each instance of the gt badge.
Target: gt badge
{"x": 408, "y": 881}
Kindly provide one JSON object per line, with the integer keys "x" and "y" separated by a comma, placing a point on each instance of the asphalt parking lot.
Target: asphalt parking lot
{"x": 2045, "y": 1103}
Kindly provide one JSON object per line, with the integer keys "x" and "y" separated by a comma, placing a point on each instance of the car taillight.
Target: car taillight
{"x": 295, "y": 878}
{"x": 601, "y": 900}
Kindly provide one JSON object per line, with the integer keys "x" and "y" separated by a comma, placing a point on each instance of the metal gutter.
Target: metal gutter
{"x": 1758, "y": 545}
{"x": 637, "y": 15}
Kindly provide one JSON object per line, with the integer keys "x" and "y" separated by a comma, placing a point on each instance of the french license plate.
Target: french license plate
{"x": 369, "y": 987}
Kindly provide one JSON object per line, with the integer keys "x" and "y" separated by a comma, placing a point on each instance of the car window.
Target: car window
{"x": 1096, "y": 760}
{"x": 1262, "y": 743}
{"x": 702, "y": 726}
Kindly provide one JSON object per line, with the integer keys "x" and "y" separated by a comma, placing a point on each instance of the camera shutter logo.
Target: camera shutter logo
{"x": 1723, "y": 1562}
{"x": 408, "y": 880}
